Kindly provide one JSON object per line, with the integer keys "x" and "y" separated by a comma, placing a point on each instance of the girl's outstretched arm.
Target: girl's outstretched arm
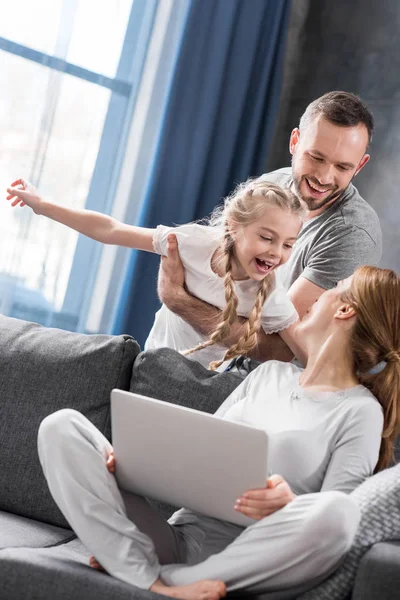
{"x": 97, "y": 226}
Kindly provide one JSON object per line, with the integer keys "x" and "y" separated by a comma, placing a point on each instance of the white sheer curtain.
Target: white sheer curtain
{"x": 139, "y": 154}
{"x": 78, "y": 83}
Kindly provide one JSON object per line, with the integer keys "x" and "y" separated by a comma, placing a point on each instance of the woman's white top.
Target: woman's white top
{"x": 316, "y": 441}
{"x": 197, "y": 245}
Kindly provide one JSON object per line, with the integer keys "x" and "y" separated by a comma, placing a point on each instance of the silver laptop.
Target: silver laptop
{"x": 184, "y": 456}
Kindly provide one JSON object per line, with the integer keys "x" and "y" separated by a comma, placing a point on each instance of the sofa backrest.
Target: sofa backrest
{"x": 166, "y": 375}
{"x": 43, "y": 370}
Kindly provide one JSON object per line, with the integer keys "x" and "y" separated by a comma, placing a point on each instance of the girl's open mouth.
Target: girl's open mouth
{"x": 263, "y": 266}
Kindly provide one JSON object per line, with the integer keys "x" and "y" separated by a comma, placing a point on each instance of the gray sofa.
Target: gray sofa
{"x": 43, "y": 370}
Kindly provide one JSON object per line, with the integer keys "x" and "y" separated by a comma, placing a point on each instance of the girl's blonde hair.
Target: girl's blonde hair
{"x": 374, "y": 294}
{"x": 244, "y": 206}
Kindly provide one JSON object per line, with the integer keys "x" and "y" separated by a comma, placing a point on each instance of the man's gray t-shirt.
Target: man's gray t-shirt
{"x": 331, "y": 246}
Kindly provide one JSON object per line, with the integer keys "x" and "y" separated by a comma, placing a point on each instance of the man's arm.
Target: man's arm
{"x": 333, "y": 257}
{"x": 303, "y": 293}
{"x": 204, "y": 317}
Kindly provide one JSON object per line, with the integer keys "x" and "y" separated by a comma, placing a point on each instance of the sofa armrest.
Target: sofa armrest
{"x": 378, "y": 576}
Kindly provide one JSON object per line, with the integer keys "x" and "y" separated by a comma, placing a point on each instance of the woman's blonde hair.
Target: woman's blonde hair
{"x": 374, "y": 294}
{"x": 244, "y": 206}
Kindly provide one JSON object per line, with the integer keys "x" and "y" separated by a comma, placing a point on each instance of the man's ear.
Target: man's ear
{"x": 345, "y": 311}
{"x": 294, "y": 140}
{"x": 362, "y": 163}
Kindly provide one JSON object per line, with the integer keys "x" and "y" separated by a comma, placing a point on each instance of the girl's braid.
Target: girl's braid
{"x": 229, "y": 314}
{"x": 248, "y": 340}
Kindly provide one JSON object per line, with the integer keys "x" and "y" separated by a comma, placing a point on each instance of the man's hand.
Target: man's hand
{"x": 171, "y": 276}
{"x": 260, "y": 503}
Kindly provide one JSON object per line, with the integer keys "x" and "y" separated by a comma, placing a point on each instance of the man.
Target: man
{"x": 342, "y": 232}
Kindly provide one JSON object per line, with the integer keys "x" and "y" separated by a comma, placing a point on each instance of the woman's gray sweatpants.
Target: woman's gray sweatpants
{"x": 296, "y": 545}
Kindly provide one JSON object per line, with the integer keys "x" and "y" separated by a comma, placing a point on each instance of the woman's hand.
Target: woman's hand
{"x": 96, "y": 565}
{"x": 260, "y": 503}
{"x": 22, "y": 192}
{"x": 110, "y": 462}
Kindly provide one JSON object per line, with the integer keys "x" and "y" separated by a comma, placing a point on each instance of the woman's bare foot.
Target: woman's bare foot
{"x": 201, "y": 590}
{"x": 96, "y": 565}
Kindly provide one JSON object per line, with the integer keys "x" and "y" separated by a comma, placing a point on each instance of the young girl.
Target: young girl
{"x": 229, "y": 263}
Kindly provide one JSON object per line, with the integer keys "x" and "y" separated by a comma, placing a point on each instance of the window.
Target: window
{"x": 73, "y": 82}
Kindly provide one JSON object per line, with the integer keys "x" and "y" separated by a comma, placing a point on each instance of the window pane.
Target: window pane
{"x": 88, "y": 33}
{"x": 50, "y": 130}
{"x": 33, "y": 24}
{"x": 107, "y": 22}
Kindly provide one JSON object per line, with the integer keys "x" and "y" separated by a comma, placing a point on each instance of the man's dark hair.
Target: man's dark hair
{"x": 340, "y": 108}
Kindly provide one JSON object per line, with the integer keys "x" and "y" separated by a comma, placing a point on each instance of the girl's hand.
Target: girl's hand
{"x": 110, "y": 462}
{"x": 22, "y": 192}
{"x": 260, "y": 503}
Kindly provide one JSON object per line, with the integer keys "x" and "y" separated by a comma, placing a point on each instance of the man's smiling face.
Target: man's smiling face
{"x": 326, "y": 157}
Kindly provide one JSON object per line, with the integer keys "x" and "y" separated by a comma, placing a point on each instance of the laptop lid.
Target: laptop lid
{"x": 185, "y": 457}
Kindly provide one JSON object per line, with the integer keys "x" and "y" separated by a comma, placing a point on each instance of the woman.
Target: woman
{"x": 330, "y": 426}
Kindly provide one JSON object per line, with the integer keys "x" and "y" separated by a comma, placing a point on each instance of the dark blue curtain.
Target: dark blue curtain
{"x": 216, "y": 131}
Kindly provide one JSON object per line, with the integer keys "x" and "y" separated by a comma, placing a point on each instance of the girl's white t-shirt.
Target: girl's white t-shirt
{"x": 197, "y": 244}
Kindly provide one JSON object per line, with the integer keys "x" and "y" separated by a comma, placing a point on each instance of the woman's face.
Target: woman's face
{"x": 321, "y": 314}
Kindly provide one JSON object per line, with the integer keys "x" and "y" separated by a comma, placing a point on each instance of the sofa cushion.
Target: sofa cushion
{"x": 16, "y": 531}
{"x": 43, "y": 370}
{"x": 60, "y": 573}
{"x": 166, "y": 375}
{"x": 63, "y": 573}
{"x": 378, "y": 499}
